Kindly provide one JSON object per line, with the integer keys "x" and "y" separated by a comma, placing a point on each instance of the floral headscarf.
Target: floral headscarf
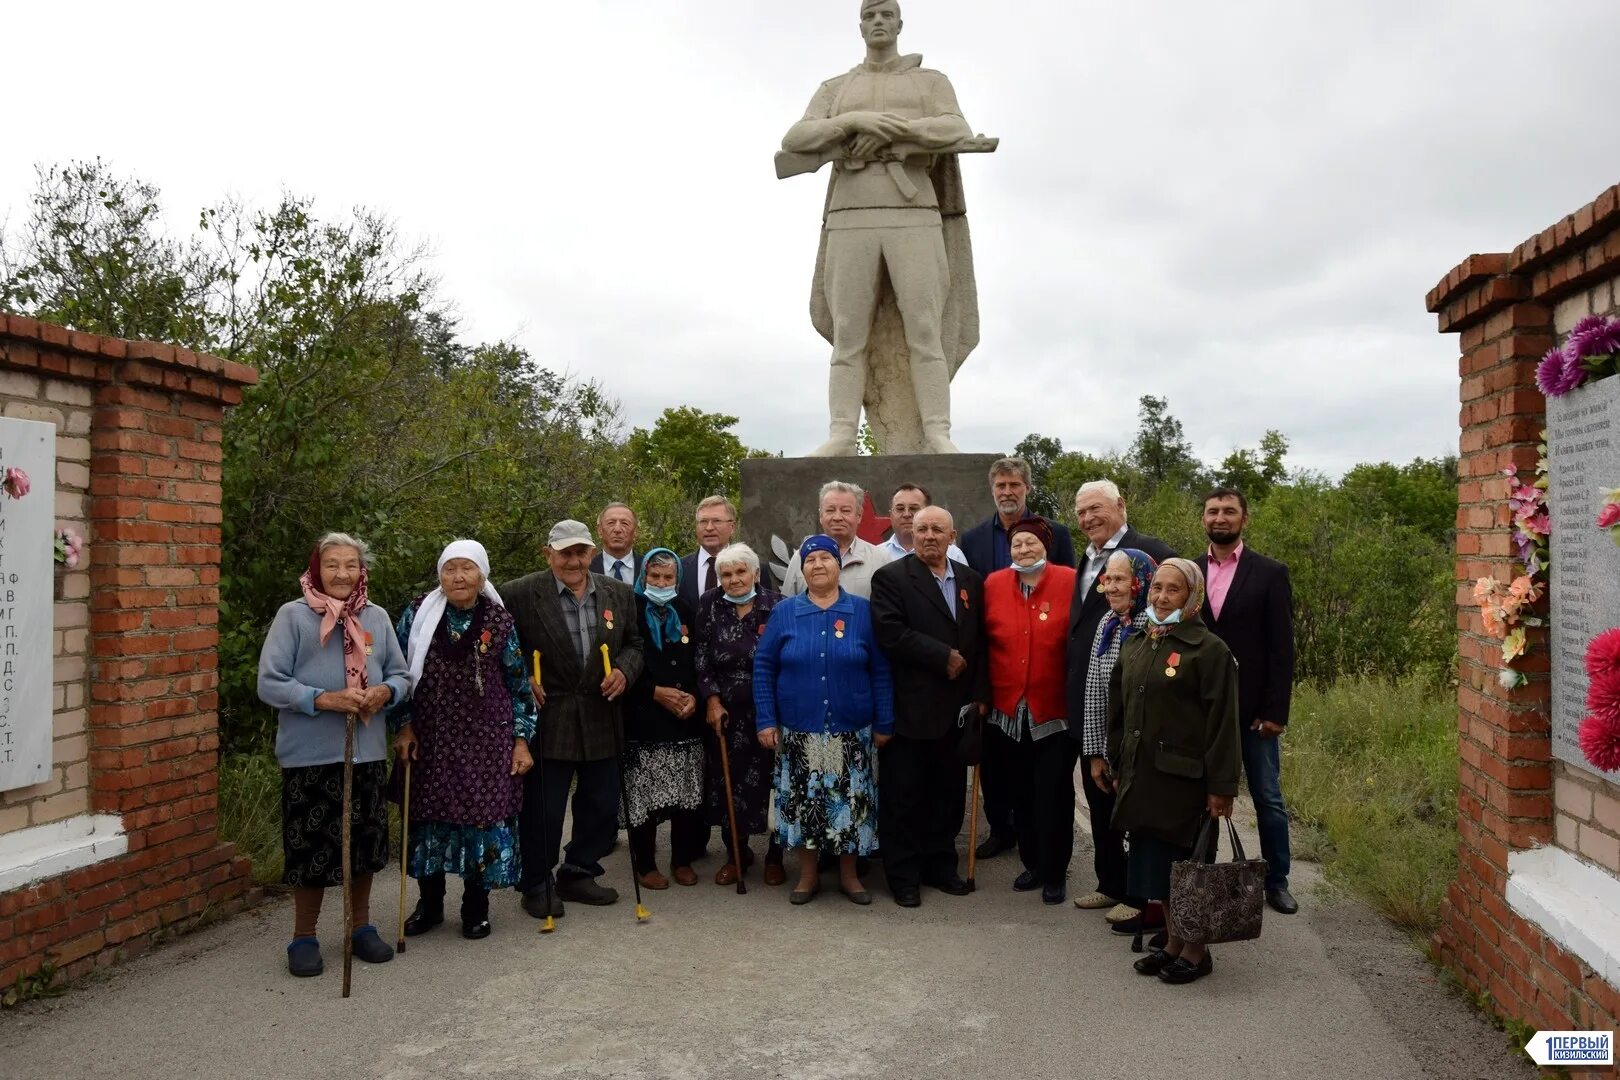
{"x": 336, "y": 613}
{"x": 1195, "y": 594}
{"x": 1142, "y": 568}
{"x": 663, "y": 621}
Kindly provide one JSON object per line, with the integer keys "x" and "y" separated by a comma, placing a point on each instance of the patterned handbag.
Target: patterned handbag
{"x": 1214, "y": 902}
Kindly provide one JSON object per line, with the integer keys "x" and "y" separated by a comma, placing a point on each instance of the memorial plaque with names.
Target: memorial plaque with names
{"x": 1583, "y": 463}
{"x": 27, "y": 588}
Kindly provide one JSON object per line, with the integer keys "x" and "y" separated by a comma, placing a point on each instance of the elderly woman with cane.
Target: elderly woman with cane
{"x": 466, "y": 729}
{"x": 823, "y": 696}
{"x": 329, "y": 665}
{"x": 1174, "y": 750}
{"x": 730, "y": 620}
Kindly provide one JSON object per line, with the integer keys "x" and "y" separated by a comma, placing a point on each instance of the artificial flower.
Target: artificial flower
{"x": 16, "y": 483}
{"x": 1513, "y": 645}
{"x": 1508, "y": 679}
{"x": 1609, "y": 516}
{"x": 1550, "y": 373}
{"x": 1603, "y": 693}
{"x": 1599, "y": 736}
{"x": 1603, "y": 654}
{"x": 1594, "y": 336}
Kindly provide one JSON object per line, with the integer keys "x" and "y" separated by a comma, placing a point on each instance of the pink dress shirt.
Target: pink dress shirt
{"x": 1218, "y": 578}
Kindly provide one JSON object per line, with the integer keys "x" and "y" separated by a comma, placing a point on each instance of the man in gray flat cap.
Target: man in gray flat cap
{"x": 567, "y": 614}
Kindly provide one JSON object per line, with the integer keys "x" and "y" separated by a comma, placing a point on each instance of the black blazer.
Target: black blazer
{"x": 576, "y": 723}
{"x": 1085, "y": 612}
{"x": 978, "y": 546}
{"x": 1257, "y": 624}
{"x": 599, "y": 565}
{"x": 916, "y": 632}
{"x": 692, "y": 589}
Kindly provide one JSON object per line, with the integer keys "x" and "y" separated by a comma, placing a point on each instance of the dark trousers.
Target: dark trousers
{"x": 1108, "y": 845}
{"x": 1262, "y": 764}
{"x": 688, "y": 836}
{"x": 998, "y": 770}
{"x": 1044, "y": 807}
{"x": 923, "y": 799}
{"x": 596, "y": 819}
{"x": 474, "y": 897}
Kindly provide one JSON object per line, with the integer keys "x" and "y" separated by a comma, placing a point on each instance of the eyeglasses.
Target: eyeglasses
{"x": 715, "y": 521}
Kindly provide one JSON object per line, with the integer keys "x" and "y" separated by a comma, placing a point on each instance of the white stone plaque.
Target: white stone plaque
{"x": 1583, "y": 462}
{"x": 27, "y": 587}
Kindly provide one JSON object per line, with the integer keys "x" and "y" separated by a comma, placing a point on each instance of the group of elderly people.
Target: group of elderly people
{"x": 900, "y": 661}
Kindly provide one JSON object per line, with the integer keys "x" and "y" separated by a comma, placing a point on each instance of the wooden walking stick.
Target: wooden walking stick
{"x": 404, "y": 851}
{"x": 642, "y": 914}
{"x": 549, "y": 926}
{"x": 731, "y": 807}
{"x": 973, "y": 831}
{"x": 347, "y": 843}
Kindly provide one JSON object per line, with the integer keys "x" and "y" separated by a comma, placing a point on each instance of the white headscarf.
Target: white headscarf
{"x": 433, "y": 605}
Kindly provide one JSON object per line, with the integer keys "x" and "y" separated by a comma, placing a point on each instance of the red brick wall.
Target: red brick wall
{"x": 1502, "y": 307}
{"x": 151, "y": 683}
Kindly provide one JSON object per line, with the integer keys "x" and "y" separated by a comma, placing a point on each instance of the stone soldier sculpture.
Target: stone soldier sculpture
{"x": 892, "y": 130}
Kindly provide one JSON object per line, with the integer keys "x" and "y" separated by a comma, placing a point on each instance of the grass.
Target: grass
{"x": 250, "y": 810}
{"x": 1370, "y": 775}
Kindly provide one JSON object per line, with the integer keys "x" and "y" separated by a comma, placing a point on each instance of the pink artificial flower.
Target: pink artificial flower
{"x": 1609, "y": 516}
{"x": 1603, "y": 693}
{"x": 1603, "y": 654}
{"x": 1599, "y": 736}
{"x": 16, "y": 483}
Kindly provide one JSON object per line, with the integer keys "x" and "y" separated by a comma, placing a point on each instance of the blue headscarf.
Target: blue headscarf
{"x": 1142, "y": 568}
{"x": 662, "y": 619}
{"x": 820, "y": 542}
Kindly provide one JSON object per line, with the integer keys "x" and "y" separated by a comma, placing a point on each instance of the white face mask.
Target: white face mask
{"x": 661, "y": 594}
{"x": 1033, "y": 568}
{"x": 741, "y": 600}
{"x": 1175, "y": 617}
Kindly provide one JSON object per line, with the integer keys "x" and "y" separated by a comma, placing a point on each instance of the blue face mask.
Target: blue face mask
{"x": 660, "y": 594}
{"x": 741, "y": 600}
{"x": 1033, "y": 568}
{"x": 1175, "y": 617}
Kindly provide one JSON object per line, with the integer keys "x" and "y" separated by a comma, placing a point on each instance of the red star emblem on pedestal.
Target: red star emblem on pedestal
{"x": 873, "y": 528}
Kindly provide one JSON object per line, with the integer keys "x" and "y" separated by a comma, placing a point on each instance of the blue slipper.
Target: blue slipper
{"x": 370, "y": 947}
{"x": 304, "y": 957}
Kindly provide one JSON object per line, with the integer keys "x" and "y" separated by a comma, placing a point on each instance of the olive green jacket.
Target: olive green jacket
{"x": 1173, "y": 736}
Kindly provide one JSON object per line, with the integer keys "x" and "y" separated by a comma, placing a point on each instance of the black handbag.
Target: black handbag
{"x": 1213, "y": 902}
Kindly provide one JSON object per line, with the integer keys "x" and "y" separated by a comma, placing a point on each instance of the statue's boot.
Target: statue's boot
{"x": 932, "y": 382}
{"x": 846, "y": 390}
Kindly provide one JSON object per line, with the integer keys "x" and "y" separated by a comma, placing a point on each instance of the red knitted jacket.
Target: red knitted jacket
{"x": 1027, "y": 652}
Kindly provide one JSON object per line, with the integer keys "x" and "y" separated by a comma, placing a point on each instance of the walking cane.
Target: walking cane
{"x": 404, "y": 851}
{"x": 973, "y": 830}
{"x": 348, "y": 865}
{"x": 642, "y": 914}
{"x": 549, "y": 926}
{"x": 731, "y": 808}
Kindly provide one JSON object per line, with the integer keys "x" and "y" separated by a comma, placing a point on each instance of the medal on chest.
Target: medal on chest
{"x": 607, "y": 618}
{"x": 962, "y": 595}
{"x": 1173, "y": 661}
{"x": 1046, "y": 608}
{"x": 368, "y": 644}
{"x": 685, "y": 640}
{"x": 838, "y": 628}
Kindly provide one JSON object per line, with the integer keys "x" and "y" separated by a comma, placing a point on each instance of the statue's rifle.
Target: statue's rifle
{"x": 789, "y": 163}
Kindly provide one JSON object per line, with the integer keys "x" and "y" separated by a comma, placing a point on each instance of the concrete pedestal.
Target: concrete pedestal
{"x": 779, "y": 495}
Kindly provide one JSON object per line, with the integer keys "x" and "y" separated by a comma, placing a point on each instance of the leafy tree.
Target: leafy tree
{"x": 696, "y": 449}
{"x": 1421, "y": 493}
{"x": 1041, "y": 451}
{"x": 1255, "y": 472}
{"x": 1161, "y": 451}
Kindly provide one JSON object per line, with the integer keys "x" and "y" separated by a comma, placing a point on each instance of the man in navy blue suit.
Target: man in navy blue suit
{"x": 617, "y": 558}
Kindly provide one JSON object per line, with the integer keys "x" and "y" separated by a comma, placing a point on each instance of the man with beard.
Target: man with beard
{"x": 989, "y": 549}
{"x": 1250, "y": 605}
{"x": 926, "y": 611}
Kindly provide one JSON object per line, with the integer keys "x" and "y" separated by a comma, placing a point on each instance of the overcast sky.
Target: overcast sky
{"x": 1237, "y": 205}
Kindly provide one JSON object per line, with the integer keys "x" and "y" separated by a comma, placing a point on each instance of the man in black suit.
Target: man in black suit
{"x": 568, "y": 613}
{"x": 1099, "y": 510}
{"x": 989, "y": 549}
{"x": 1250, "y": 605}
{"x": 716, "y": 525}
{"x": 926, "y": 612}
{"x": 617, "y": 559}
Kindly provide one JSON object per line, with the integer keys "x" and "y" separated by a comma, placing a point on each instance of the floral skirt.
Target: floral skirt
{"x": 826, "y": 792}
{"x": 660, "y": 778}
{"x": 312, "y": 816}
{"x": 488, "y": 851}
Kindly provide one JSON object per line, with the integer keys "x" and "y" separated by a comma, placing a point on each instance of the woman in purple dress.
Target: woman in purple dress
{"x": 466, "y": 729}
{"x": 730, "y": 620}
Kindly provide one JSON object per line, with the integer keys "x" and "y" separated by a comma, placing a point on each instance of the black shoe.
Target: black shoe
{"x": 584, "y": 890}
{"x": 370, "y": 947}
{"x": 539, "y": 903}
{"x": 423, "y": 919}
{"x": 1179, "y": 971}
{"x": 859, "y": 896}
{"x": 907, "y": 895}
{"x": 304, "y": 957}
{"x": 953, "y": 885}
{"x": 1153, "y": 963}
{"x": 1136, "y": 922}
{"x": 472, "y": 931}
{"x": 1054, "y": 894}
{"x": 1282, "y": 901}
{"x": 1159, "y": 940}
{"x": 1026, "y": 882}
{"x": 994, "y": 845}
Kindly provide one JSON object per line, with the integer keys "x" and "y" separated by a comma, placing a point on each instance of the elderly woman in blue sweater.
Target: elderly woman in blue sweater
{"x": 822, "y": 698}
{"x": 328, "y": 655}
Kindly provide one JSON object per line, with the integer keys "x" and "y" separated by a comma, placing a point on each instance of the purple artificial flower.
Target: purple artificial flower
{"x": 1550, "y": 373}
{"x": 1574, "y": 371}
{"x": 1594, "y": 336}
